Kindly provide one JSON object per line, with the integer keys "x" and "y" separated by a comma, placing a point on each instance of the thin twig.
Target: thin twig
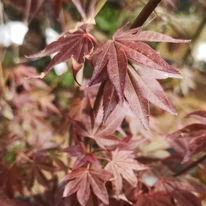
{"x": 192, "y": 165}
{"x": 145, "y": 13}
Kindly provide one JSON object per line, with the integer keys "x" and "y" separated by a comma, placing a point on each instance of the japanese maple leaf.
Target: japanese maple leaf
{"x": 141, "y": 88}
{"x": 153, "y": 199}
{"x": 112, "y": 63}
{"x": 122, "y": 166}
{"x": 53, "y": 196}
{"x": 92, "y": 127}
{"x": 83, "y": 157}
{"x": 194, "y": 134}
{"x": 181, "y": 189}
{"x": 12, "y": 202}
{"x": 76, "y": 45}
{"x": 10, "y": 181}
{"x": 185, "y": 198}
{"x": 82, "y": 180}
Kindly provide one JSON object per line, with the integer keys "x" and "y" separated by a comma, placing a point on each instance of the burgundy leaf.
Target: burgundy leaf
{"x": 170, "y": 184}
{"x": 82, "y": 179}
{"x": 57, "y": 6}
{"x": 10, "y": 181}
{"x": 84, "y": 159}
{"x": 185, "y": 198}
{"x": 138, "y": 103}
{"x": 122, "y": 166}
{"x": 113, "y": 57}
{"x": 149, "y": 89}
{"x": 195, "y": 135}
{"x": 151, "y": 36}
{"x": 94, "y": 128}
{"x": 116, "y": 62}
{"x": 40, "y": 177}
{"x": 153, "y": 199}
{"x": 76, "y": 45}
{"x": 117, "y": 68}
{"x": 197, "y": 145}
{"x": 198, "y": 115}
{"x": 13, "y": 202}
{"x": 73, "y": 151}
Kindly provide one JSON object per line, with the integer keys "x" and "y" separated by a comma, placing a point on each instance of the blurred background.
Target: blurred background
{"x": 28, "y": 106}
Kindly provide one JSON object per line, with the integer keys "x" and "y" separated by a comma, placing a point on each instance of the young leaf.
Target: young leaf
{"x": 10, "y": 181}
{"x": 82, "y": 179}
{"x": 75, "y": 45}
{"x": 195, "y": 134}
{"x": 122, "y": 166}
{"x": 153, "y": 199}
{"x": 82, "y": 156}
{"x": 89, "y": 126}
{"x": 185, "y": 198}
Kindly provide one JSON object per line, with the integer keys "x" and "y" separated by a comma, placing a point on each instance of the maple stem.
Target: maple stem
{"x": 190, "y": 166}
{"x": 145, "y": 13}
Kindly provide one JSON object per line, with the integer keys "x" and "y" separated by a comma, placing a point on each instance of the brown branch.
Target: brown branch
{"x": 195, "y": 163}
{"x": 145, "y": 13}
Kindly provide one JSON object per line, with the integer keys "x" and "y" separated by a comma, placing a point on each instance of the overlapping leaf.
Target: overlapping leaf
{"x": 185, "y": 198}
{"x": 142, "y": 87}
{"x": 83, "y": 179}
{"x": 112, "y": 63}
{"x": 10, "y": 181}
{"x": 180, "y": 189}
{"x": 92, "y": 127}
{"x": 194, "y": 134}
{"x": 75, "y": 45}
{"x": 83, "y": 157}
{"x": 153, "y": 199}
{"x": 122, "y": 166}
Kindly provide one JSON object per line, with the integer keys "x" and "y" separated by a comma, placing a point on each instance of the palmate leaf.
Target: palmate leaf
{"x": 83, "y": 179}
{"x": 185, "y": 198}
{"x": 194, "y": 134}
{"x": 153, "y": 199}
{"x": 180, "y": 189}
{"x": 10, "y": 181}
{"x": 75, "y": 45}
{"x": 83, "y": 157}
{"x": 142, "y": 88}
{"x": 122, "y": 166}
{"x": 199, "y": 116}
{"x": 92, "y": 127}
{"x": 112, "y": 63}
